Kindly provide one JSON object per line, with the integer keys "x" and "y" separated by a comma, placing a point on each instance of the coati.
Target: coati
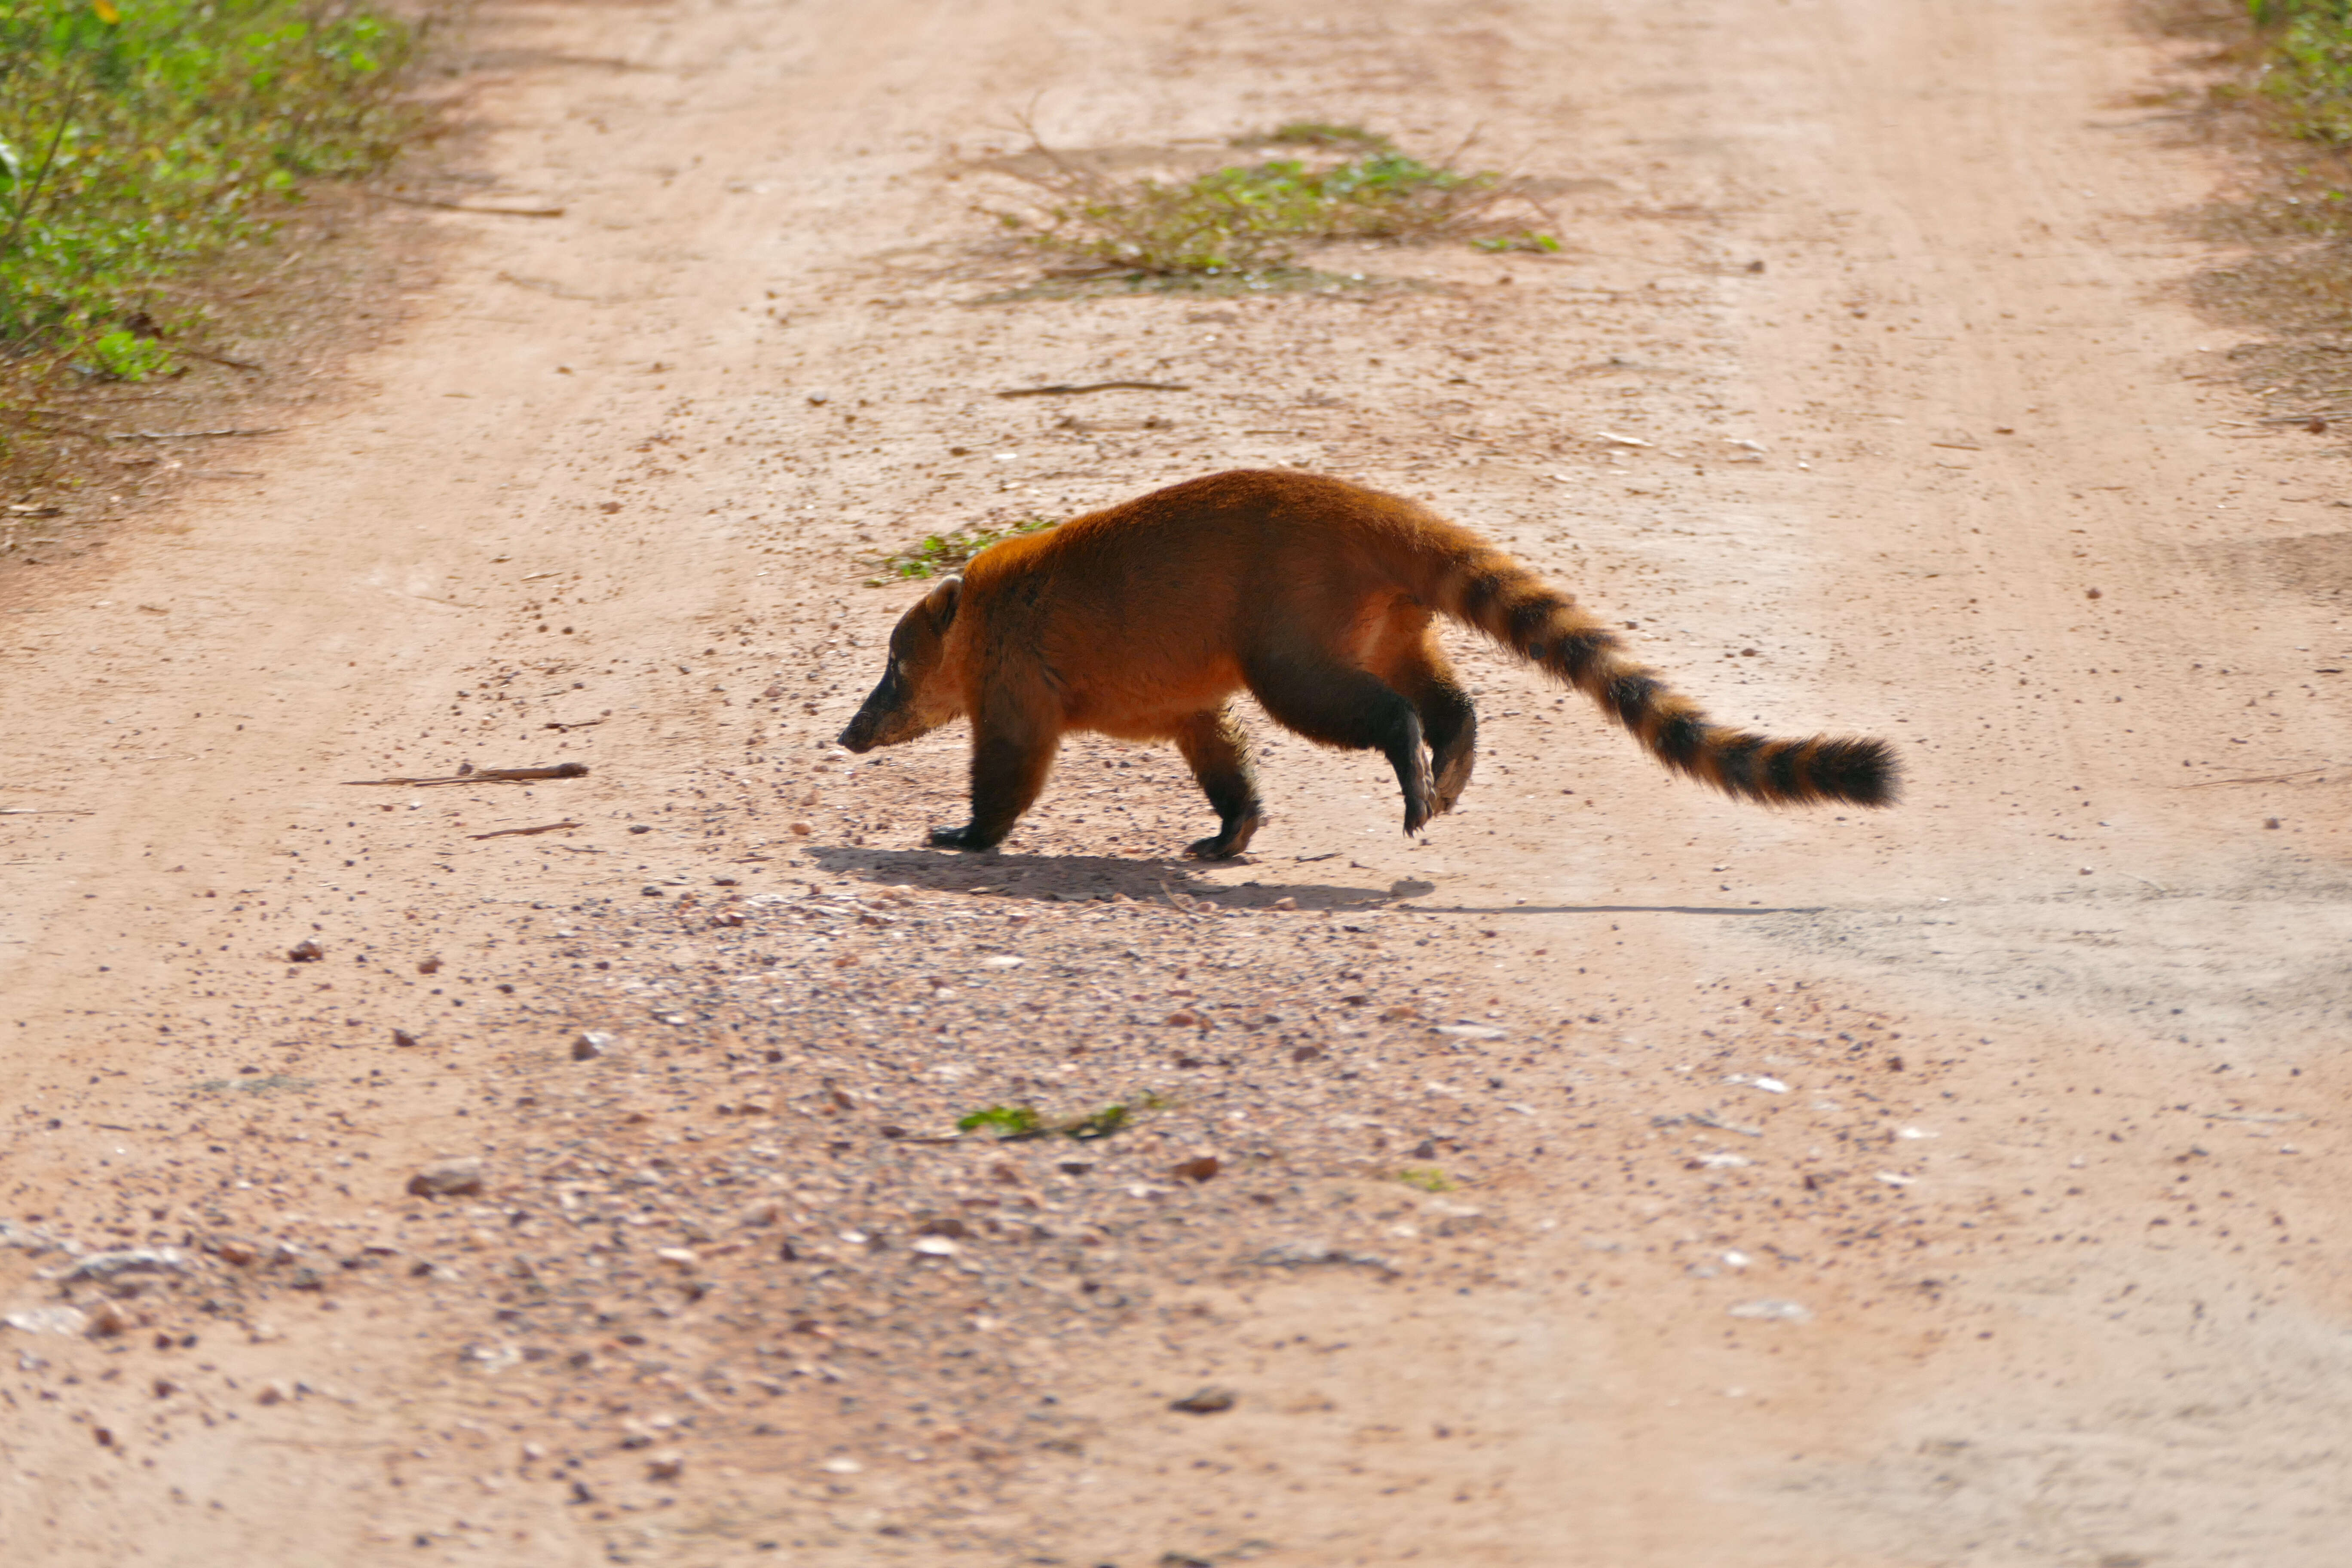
{"x": 1316, "y": 597}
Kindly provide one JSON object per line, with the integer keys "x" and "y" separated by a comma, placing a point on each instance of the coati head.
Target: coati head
{"x": 915, "y": 694}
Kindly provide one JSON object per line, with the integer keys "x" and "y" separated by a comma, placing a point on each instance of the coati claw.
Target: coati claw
{"x": 1229, "y": 843}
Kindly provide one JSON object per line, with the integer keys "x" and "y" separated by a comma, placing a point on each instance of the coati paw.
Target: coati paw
{"x": 958, "y": 838}
{"x": 1451, "y": 781}
{"x": 1227, "y": 844}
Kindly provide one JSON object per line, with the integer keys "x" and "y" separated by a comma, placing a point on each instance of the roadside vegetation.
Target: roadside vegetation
{"x": 1303, "y": 183}
{"x": 2306, "y": 65}
{"x": 942, "y": 552}
{"x": 141, "y": 139}
{"x": 2281, "y": 94}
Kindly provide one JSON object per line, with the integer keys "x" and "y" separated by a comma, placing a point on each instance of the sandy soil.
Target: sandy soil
{"x": 1618, "y": 1176}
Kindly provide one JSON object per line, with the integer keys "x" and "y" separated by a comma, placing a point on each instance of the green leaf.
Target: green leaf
{"x": 1005, "y": 1120}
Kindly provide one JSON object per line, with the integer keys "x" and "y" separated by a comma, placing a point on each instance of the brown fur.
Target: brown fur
{"x": 1316, "y": 597}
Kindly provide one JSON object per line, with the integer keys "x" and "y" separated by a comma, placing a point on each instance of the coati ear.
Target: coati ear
{"x": 940, "y": 602}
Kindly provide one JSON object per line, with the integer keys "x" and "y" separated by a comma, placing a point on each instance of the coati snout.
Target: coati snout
{"x": 1316, "y": 597}
{"x": 911, "y": 699}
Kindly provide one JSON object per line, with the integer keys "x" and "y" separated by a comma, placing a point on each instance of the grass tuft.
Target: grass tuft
{"x": 943, "y": 552}
{"x": 1004, "y": 1121}
{"x": 1012, "y": 1123}
{"x": 1251, "y": 219}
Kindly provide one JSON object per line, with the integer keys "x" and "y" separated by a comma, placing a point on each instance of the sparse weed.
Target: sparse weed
{"x": 1004, "y": 1121}
{"x": 1110, "y": 1119}
{"x": 1250, "y": 220}
{"x": 1011, "y": 1122}
{"x": 946, "y": 551}
{"x": 1543, "y": 244}
{"x": 1428, "y": 1178}
{"x": 123, "y": 355}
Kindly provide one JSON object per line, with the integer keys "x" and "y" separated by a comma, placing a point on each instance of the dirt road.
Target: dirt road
{"x": 1618, "y": 1176}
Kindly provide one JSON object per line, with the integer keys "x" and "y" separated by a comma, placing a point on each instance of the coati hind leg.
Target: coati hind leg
{"x": 1336, "y": 704}
{"x": 1447, "y": 717}
{"x": 1213, "y": 744}
{"x": 1011, "y": 755}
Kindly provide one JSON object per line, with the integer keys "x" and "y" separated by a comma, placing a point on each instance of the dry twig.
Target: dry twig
{"x": 2257, "y": 778}
{"x": 1062, "y": 389}
{"x": 188, "y": 435}
{"x": 466, "y": 207}
{"x": 488, "y": 775}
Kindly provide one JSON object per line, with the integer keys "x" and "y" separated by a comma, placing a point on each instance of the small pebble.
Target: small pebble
{"x": 1205, "y": 1401}
{"x": 450, "y": 1178}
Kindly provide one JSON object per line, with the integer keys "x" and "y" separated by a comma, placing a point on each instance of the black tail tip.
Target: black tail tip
{"x": 1858, "y": 770}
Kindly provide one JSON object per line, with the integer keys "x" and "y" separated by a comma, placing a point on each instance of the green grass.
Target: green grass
{"x": 944, "y": 553}
{"x": 1251, "y": 219}
{"x": 1428, "y": 1178}
{"x": 137, "y": 137}
{"x": 2308, "y": 56}
{"x": 1004, "y": 1121}
{"x": 1013, "y": 1122}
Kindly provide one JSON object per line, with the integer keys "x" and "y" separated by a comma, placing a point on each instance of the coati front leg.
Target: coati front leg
{"x": 1218, "y": 750}
{"x": 1337, "y": 704}
{"x": 1011, "y": 755}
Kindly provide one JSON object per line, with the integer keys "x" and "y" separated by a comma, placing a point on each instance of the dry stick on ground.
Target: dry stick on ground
{"x": 523, "y": 832}
{"x": 2259, "y": 778}
{"x": 488, "y": 775}
{"x": 47, "y": 811}
{"x": 188, "y": 435}
{"x": 220, "y": 359}
{"x": 1061, "y": 389}
{"x": 575, "y": 724}
{"x": 464, "y": 207}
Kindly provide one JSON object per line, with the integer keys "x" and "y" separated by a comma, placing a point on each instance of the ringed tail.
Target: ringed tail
{"x": 1498, "y": 597}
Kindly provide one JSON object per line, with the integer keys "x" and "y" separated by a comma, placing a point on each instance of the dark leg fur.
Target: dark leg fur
{"x": 1218, "y": 750}
{"x": 1339, "y": 705}
{"x": 1451, "y": 722}
{"x": 1009, "y": 760}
